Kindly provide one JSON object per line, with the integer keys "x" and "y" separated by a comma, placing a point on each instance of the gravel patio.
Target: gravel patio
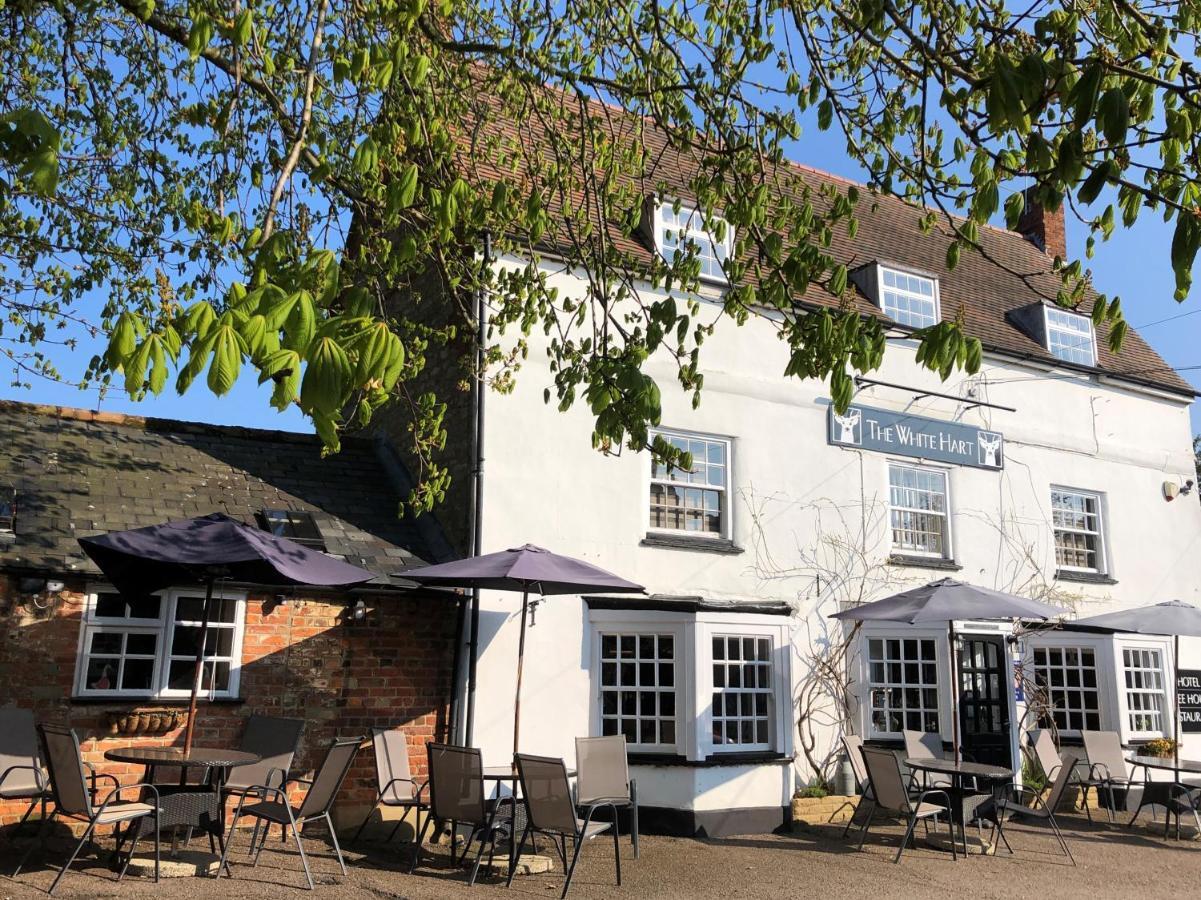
{"x": 1112, "y": 861}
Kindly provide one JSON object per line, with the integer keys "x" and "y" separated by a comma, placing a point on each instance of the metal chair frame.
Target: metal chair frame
{"x": 912, "y": 809}
{"x": 381, "y": 791}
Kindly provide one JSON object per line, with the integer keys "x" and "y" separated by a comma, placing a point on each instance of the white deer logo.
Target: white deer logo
{"x": 847, "y": 425}
{"x": 990, "y": 449}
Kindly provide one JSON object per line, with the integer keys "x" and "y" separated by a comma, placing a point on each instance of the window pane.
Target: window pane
{"x": 909, "y": 299}
{"x": 638, "y": 694}
{"x": 904, "y": 686}
{"x": 1070, "y": 678}
{"x": 742, "y": 690}
{"x": 918, "y": 510}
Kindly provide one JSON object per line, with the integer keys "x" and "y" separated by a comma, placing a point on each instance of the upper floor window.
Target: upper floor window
{"x": 146, "y": 646}
{"x": 1076, "y": 519}
{"x": 909, "y": 299}
{"x": 1070, "y": 336}
{"x": 695, "y": 501}
{"x": 918, "y": 510}
{"x": 676, "y": 229}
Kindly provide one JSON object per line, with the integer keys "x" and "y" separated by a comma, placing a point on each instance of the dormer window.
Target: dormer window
{"x": 1070, "y": 336}
{"x": 677, "y": 228}
{"x": 908, "y": 298}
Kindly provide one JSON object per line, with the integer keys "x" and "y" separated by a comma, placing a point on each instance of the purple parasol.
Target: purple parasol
{"x": 528, "y": 569}
{"x": 203, "y": 550}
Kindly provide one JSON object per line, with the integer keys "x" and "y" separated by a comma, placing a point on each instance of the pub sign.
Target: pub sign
{"x": 904, "y": 434}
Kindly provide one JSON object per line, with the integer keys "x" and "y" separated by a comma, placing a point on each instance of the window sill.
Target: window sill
{"x": 691, "y": 542}
{"x": 924, "y": 562}
{"x": 157, "y": 701}
{"x": 1084, "y": 577}
{"x": 714, "y": 760}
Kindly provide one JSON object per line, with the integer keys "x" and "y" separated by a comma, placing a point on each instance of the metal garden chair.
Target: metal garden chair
{"x": 21, "y": 774}
{"x": 603, "y": 776}
{"x": 394, "y": 783}
{"x": 888, "y": 785}
{"x": 75, "y": 799}
{"x": 1036, "y": 810}
{"x": 317, "y": 803}
{"x": 551, "y": 811}
{"x": 1106, "y": 768}
{"x": 457, "y": 796}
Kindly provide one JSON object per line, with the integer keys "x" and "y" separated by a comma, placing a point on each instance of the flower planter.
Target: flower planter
{"x": 145, "y": 721}
{"x": 834, "y": 808}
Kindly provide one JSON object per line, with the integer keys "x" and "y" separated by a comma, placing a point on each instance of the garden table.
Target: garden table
{"x": 193, "y": 805}
{"x": 958, "y": 773}
{"x": 1174, "y": 796}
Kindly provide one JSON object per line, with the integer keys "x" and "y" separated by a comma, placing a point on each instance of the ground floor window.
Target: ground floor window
{"x": 1145, "y": 697}
{"x": 1069, "y": 677}
{"x": 638, "y": 688}
{"x": 693, "y": 684}
{"x": 145, "y": 646}
{"x": 903, "y": 684}
{"x": 742, "y": 691}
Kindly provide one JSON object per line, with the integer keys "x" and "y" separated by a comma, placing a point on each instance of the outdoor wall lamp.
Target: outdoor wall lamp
{"x": 1172, "y": 490}
{"x": 357, "y": 613}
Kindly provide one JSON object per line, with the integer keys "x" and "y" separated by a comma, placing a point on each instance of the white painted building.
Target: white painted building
{"x": 1046, "y": 474}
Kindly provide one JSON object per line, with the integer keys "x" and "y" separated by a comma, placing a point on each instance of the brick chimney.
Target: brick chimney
{"x": 1044, "y": 229}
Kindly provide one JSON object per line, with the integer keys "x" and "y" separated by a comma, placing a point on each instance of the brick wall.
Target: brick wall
{"x": 299, "y": 659}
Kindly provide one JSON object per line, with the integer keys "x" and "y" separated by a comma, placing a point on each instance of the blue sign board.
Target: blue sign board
{"x": 904, "y": 434}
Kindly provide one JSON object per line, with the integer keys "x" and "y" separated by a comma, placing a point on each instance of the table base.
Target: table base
{"x": 184, "y": 864}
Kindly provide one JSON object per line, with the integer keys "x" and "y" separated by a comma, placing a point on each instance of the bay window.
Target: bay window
{"x": 686, "y": 681}
{"x": 1146, "y": 698}
{"x": 1069, "y": 677}
{"x": 145, "y": 646}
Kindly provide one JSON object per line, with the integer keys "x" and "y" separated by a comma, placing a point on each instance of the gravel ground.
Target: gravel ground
{"x": 1112, "y": 861}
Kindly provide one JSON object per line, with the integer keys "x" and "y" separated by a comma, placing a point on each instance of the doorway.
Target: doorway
{"x": 984, "y": 700}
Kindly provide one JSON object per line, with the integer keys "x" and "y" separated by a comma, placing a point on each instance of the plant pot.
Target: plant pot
{"x": 144, "y": 721}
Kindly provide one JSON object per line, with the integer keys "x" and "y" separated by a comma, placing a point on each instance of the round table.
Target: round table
{"x": 1174, "y": 796}
{"x": 195, "y": 806}
{"x": 958, "y": 772}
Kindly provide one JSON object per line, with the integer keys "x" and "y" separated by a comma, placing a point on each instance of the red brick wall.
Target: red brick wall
{"x": 299, "y": 659}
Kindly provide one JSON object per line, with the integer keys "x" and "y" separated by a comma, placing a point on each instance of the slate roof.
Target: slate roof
{"x": 1015, "y": 274}
{"x": 78, "y": 473}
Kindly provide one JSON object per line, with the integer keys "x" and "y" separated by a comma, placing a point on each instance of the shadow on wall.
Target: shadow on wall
{"x": 300, "y": 659}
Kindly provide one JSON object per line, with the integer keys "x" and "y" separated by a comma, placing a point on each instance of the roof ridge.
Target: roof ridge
{"x": 159, "y": 423}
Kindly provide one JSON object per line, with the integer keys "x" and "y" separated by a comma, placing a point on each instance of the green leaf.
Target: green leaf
{"x": 227, "y": 359}
{"x": 407, "y": 191}
{"x": 143, "y": 9}
{"x": 366, "y": 156}
{"x": 953, "y": 255}
{"x": 1015, "y": 205}
{"x": 1113, "y": 116}
{"x": 326, "y": 378}
{"x": 242, "y": 27}
{"x": 1084, "y": 95}
{"x": 825, "y": 114}
{"x": 123, "y": 340}
{"x": 200, "y": 35}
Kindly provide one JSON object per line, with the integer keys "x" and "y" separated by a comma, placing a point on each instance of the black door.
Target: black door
{"x": 984, "y": 700}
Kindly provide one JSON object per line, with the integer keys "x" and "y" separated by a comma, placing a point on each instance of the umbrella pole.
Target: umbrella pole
{"x": 1176, "y": 700}
{"x": 954, "y": 690}
{"x": 204, "y": 629}
{"x": 525, "y": 607}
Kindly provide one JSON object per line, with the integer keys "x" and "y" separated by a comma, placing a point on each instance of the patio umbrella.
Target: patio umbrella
{"x": 945, "y": 601}
{"x": 528, "y": 569}
{"x": 201, "y": 551}
{"x": 1172, "y": 617}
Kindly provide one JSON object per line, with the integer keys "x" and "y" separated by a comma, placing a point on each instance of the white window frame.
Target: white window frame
{"x": 948, "y": 550}
{"x": 1102, "y": 567}
{"x": 1166, "y": 667}
{"x": 636, "y": 634}
{"x": 92, "y": 624}
{"x": 726, "y": 490}
{"x": 694, "y": 634}
{"x": 1100, "y": 670}
{"x": 881, "y": 268}
{"x": 695, "y": 230}
{"x": 768, "y": 691}
{"x": 871, "y": 632}
{"x": 1075, "y": 341}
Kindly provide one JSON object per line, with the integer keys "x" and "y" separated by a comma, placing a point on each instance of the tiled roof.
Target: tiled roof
{"x": 78, "y": 473}
{"x": 1015, "y": 273}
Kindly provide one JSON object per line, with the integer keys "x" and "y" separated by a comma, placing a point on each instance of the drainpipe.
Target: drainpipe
{"x": 477, "y": 492}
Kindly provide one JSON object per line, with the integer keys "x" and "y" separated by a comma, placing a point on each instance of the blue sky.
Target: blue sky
{"x": 1133, "y": 265}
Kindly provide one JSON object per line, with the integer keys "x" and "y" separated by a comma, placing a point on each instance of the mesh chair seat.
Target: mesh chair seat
{"x": 122, "y": 812}
{"x": 272, "y": 811}
{"x": 928, "y": 809}
{"x": 17, "y": 788}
